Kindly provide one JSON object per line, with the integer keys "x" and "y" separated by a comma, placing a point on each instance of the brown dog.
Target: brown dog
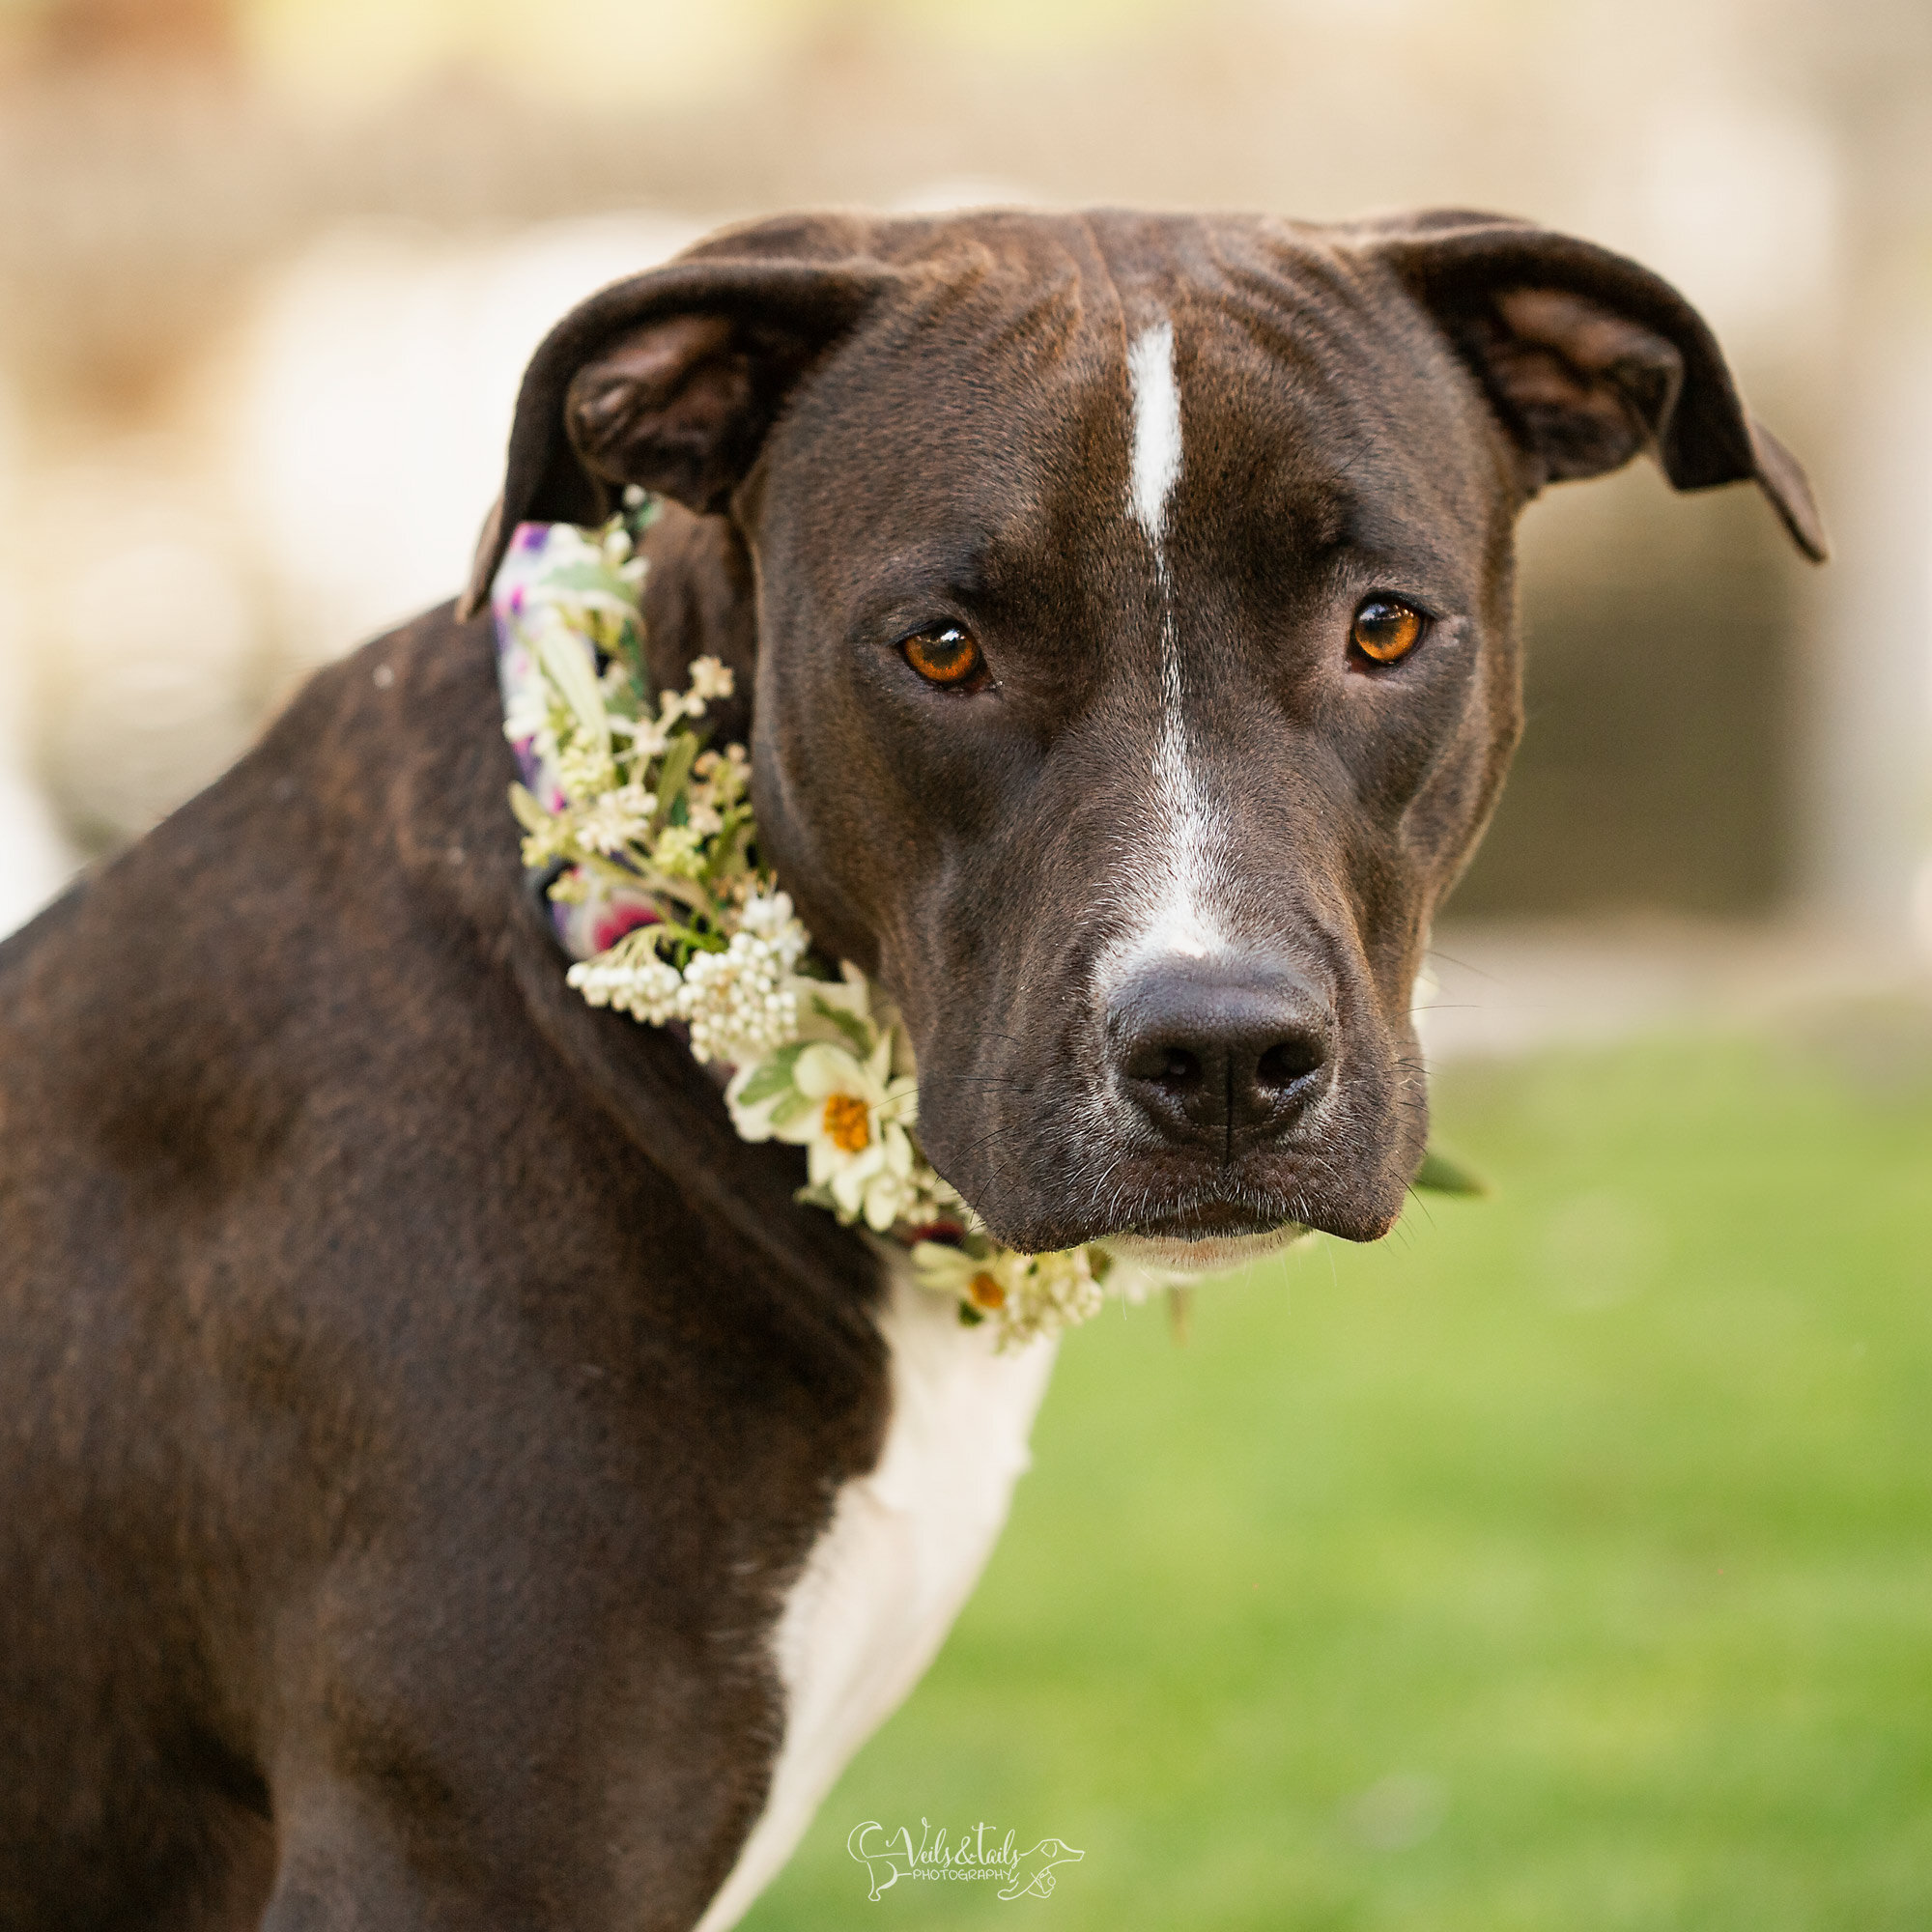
{"x": 444, "y": 1480}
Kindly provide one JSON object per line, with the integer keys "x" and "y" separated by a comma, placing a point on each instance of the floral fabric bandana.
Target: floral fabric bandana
{"x": 645, "y": 834}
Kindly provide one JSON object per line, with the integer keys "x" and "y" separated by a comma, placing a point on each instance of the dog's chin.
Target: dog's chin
{"x": 1178, "y": 1254}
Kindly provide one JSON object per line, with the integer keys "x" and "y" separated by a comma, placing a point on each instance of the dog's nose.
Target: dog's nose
{"x": 1235, "y": 1049}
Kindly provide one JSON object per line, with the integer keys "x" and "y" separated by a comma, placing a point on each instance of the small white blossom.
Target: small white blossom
{"x": 616, "y": 818}
{"x": 679, "y": 853}
{"x": 740, "y": 1003}
{"x": 711, "y": 677}
{"x": 1052, "y": 1293}
{"x": 584, "y": 769}
{"x": 1028, "y": 1297}
{"x": 648, "y": 738}
{"x": 631, "y": 978}
{"x": 770, "y": 916}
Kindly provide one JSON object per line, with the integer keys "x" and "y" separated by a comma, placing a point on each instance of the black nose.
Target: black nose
{"x": 1235, "y": 1049}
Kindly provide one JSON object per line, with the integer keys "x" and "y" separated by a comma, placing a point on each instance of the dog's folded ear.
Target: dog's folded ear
{"x": 1589, "y": 358}
{"x": 670, "y": 379}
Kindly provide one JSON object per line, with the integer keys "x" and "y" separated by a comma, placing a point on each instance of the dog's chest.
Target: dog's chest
{"x": 899, "y": 1557}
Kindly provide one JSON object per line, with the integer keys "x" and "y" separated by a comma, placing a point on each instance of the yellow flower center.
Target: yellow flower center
{"x": 848, "y": 1122}
{"x": 983, "y": 1292}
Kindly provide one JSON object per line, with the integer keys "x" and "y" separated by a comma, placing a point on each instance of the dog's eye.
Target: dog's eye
{"x": 946, "y": 656}
{"x": 1386, "y": 629}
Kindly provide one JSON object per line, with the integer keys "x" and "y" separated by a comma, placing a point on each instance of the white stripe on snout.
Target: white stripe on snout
{"x": 1170, "y": 879}
{"x": 1156, "y": 427}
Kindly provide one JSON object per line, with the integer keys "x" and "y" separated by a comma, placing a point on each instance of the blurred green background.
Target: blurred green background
{"x": 1565, "y": 1562}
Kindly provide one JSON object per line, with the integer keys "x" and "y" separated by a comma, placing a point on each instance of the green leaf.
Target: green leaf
{"x": 772, "y": 1076}
{"x": 566, "y": 661}
{"x": 604, "y": 584}
{"x": 530, "y": 815}
{"x": 730, "y": 848}
{"x": 1439, "y": 1174}
{"x": 675, "y": 770}
{"x": 790, "y": 1108}
{"x": 849, "y": 1024}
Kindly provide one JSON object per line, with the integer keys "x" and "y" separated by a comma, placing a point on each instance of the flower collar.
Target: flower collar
{"x": 644, "y": 835}
{"x": 645, "y": 839}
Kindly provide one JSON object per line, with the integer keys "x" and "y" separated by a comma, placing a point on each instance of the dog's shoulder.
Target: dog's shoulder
{"x": 329, "y": 857}
{"x": 293, "y": 984}
{"x": 321, "y": 1002}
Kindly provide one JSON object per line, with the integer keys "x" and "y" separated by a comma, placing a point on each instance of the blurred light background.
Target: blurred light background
{"x": 268, "y": 270}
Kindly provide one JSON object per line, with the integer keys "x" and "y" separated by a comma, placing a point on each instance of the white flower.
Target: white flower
{"x": 586, "y": 769}
{"x": 840, "y": 1011}
{"x": 615, "y": 819}
{"x": 631, "y": 977}
{"x": 710, "y": 677}
{"x": 770, "y": 916}
{"x": 985, "y": 1284}
{"x": 649, "y": 739}
{"x": 852, "y": 1127}
{"x": 742, "y": 1004}
{"x": 729, "y": 776}
{"x": 1054, "y": 1291}
{"x": 1029, "y": 1297}
{"x": 568, "y": 666}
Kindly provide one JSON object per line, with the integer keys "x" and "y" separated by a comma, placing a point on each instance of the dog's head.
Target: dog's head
{"x": 1131, "y": 601}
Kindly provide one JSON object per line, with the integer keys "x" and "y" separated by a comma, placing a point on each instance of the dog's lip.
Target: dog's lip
{"x": 1206, "y": 1221}
{"x": 1205, "y": 1237}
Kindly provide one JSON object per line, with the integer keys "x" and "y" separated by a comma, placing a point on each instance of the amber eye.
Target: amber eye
{"x": 1385, "y": 630}
{"x": 946, "y": 656}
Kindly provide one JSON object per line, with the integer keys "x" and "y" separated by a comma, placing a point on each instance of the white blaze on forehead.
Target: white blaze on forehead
{"x": 1169, "y": 883}
{"x": 1156, "y": 426}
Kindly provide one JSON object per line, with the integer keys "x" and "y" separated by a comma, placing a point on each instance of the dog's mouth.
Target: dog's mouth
{"x": 1205, "y": 1238}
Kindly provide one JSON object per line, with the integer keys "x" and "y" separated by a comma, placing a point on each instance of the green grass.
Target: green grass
{"x": 1564, "y": 1563}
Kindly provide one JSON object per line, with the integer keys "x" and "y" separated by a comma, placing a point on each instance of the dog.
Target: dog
{"x": 446, "y": 1480}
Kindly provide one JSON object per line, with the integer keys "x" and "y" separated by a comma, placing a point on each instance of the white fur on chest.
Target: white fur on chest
{"x": 899, "y": 1557}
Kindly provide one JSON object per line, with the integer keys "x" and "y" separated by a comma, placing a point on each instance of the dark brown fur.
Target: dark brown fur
{"x": 413, "y": 1396}
{"x": 364, "y": 1291}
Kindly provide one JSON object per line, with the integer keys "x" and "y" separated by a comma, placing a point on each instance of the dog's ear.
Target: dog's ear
{"x": 700, "y": 600}
{"x": 671, "y": 380}
{"x": 1589, "y": 358}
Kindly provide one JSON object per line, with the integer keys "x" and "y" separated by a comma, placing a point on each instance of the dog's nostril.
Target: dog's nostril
{"x": 1178, "y": 1069}
{"x": 1290, "y": 1061}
